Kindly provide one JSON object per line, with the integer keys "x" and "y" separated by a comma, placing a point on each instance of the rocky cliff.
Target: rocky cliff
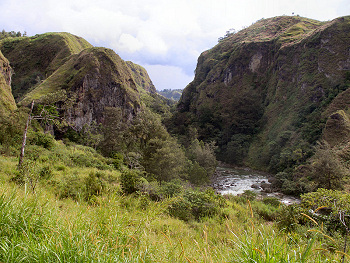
{"x": 264, "y": 93}
{"x": 7, "y": 102}
{"x": 81, "y": 80}
{"x": 86, "y": 84}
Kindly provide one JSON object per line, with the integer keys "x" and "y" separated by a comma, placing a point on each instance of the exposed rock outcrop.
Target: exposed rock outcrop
{"x": 7, "y": 102}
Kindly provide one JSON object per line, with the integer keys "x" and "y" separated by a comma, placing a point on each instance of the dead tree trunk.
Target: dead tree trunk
{"x": 25, "y": 136}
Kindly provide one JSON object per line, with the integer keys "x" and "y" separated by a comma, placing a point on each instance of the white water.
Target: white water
{"x": 237, "y": 181}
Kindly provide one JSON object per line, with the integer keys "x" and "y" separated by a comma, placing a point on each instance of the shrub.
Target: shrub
{"x": 273, "y": 201}
{"x": 94, "y": 186}
{"x": 197, "y": 203}
{"x": 129, "y": 181}
{"x": 71, "y": 187}
{"x": 266, "y": 211}
{"x": 197, "y": 174}
{"x": 180, "y": 208}
{"x": 42, "y": 139}
{"x": 46, "y": 172}
{"x": 118, "y": 160}
{"x": 172, "y": 188}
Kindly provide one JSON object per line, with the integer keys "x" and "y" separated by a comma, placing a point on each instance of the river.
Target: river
{"x": 237, "y": 180}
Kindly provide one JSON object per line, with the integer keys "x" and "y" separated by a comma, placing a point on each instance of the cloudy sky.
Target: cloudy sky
{"x": 164, "y": 36}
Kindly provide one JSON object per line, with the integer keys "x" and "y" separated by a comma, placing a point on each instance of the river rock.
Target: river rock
{"x": 255, "y": 186}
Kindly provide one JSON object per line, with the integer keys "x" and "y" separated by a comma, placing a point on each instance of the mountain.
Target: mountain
{"x": 269, "y": 92}
{"x": 33, "y": 59}
{"x": 81, "y": 80}
{"x": 173, "y": 94}
{"x": 7, "y": 102}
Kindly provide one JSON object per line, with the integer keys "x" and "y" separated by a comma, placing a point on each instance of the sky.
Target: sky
{"x": 164, "y": 36}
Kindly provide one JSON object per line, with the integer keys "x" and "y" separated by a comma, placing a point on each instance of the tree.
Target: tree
{"x": 164, "y": 159}
{"x": 327, "y": 170}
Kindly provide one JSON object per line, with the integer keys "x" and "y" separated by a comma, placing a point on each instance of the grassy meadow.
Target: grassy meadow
{"x": 70, "y": 207}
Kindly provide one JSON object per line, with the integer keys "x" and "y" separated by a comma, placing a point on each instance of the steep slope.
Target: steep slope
{"x": 7, "y": 102}
{"x": 65, "y": 70}
{"x": 141, "y": 77}
{"x": 35, "y": 58}
{"x": 148, "y": 94}
{"x": 262, "y": 93}
{"x": 86, "y": 84}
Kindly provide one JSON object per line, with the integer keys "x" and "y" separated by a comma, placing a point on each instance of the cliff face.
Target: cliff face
{"x": 141, "y": 77}
{"x": 81, "y": 80}
{"x": 86, "y": 84}
{"x": 7, "y": 102}
{"x": 265, "y": 90}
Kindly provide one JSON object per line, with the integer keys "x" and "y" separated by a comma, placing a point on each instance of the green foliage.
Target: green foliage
{"x": 4, "y": 34}
{"x": 327, "y": 171}
{"x": 46, "y": 172}
{"x": 42, "y": 139}
{"x": 268, "y": 209}
{"x": 203, "y": 157}
{"x": 94, "y": 185}
{"x": 130, "y": 180}
{"x": 328, "y": 206}
{"x": 71, "y": 186}
{"x": 181, "y": 208}
{"x": 289, "y": 218}
{"x": 11, "y": 130}
{"x": 196, "y": 205}
{"x": 164, "y": 159}
{"x": 197, "y": 174}
{"x": 172, "y": 188}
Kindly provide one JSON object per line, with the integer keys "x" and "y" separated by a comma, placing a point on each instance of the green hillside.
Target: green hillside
{"x": 100, "y": 178}
{"x": 264, "y": 93}
{"x": 36, "y": 58}
{"x": 174, "y": 94}
{"x": 94, "y": 79}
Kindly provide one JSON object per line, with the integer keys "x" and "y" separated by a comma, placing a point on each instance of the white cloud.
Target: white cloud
{"x": 168, "y": 77}
{"x": 160, "y": 32}
{"x": 129, "y": 43}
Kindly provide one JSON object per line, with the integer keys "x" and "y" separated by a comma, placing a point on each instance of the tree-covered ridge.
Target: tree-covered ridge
{"x": 4, "y": 34}
{"x": 173, "y": 94}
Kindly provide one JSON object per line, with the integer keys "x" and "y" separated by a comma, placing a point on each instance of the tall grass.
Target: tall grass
{"x": 40, "y": 226}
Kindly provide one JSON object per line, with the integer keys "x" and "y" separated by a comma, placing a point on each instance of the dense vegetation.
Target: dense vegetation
{"x": 102, "y": 180}
{"x": 69, "y": 203}
{"x": 268, "y": 94}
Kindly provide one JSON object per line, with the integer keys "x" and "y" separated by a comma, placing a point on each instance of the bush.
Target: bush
{"x": 180, "y": 208}
{"x": 197, "y": 174}
{"x": 196, "y": 205}
{"x": 266, "y": 211}
{"x": 273, "y": 201}
{"x": 172, "y": 188}
{"x": 94, "y": 186}
{"x": 130, "y": 180}
{"x": 46, "y": 172}
{"x": 71, "y": 187}
{"x": 42, "y": 139}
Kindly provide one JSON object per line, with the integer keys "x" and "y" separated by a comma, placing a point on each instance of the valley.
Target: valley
{"x": 113, "y": 171}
